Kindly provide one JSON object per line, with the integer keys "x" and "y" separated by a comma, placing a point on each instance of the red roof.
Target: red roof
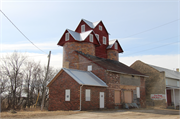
{"x": 111, "y": 65}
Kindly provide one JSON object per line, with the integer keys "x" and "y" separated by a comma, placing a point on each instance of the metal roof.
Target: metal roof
{"x": 85, "y": 77}
{"x": 111, "y": 43}
{"x": 80, "y": 36}
{"x": 168, "y": 73}
{"x": 91, "y": 24}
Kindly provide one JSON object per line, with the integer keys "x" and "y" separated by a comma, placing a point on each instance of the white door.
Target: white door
{"x": 101, "y": 97}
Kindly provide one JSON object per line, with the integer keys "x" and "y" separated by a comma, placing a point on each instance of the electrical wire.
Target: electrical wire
{"x": 22, "y": 32}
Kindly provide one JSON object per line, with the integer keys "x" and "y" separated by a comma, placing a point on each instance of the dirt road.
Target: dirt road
{"x": 105, "y": 114}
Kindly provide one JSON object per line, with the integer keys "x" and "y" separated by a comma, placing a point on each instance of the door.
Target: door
{"x": 168, "y": 97}
{"x": 101, "y": 99}
{"x": 128, "y": 96}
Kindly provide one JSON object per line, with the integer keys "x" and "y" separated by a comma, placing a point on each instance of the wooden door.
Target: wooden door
{"x": 168, "y": 97}
{"x": 128, "y": 96}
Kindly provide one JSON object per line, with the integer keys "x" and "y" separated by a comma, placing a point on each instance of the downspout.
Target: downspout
{"x": 80, "y": 96}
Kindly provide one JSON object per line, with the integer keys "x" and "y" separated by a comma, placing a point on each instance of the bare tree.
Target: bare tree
{"x": 12, "y": 68}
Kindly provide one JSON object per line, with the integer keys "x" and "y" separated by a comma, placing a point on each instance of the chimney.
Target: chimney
{"x": 177, "y": 69}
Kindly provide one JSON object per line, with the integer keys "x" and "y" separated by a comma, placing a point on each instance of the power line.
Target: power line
{"x": 154, "y": 42}
{"x": 150, "y": 29}
{"x": 154, "y": 47}
{"x": 22, "y": 32}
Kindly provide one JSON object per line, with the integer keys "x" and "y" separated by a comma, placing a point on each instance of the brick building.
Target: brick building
{"x": 92, "y": 76}
{"x": 162, "y": 85}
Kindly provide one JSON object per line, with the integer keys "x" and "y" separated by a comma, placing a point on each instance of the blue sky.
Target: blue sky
{"x": 44, "y": 22}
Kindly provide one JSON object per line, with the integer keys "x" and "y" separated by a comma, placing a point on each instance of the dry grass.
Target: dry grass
{"x": 35, "y": 113}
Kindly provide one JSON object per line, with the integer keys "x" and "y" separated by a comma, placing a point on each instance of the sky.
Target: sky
{"x": 147, "y": 30}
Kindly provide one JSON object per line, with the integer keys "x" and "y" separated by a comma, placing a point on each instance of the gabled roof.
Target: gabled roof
{"x": 94, "y": 24}
{"x": 80, "y": 36}
{"x": 91, "y": 24}
{"x": 111, "y": 65}
{"x": 112, "y": 42}
{"x": 81, "y": 77}
{"x": 168, "y": 73}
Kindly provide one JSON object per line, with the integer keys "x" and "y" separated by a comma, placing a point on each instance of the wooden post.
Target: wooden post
{"x": 44, "y": 84}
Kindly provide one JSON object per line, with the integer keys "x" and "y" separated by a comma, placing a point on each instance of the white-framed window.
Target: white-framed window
{"x": 100, "y": 27}
{"x": 88, "y": 95}
{"x": 97, "y": 36}
{"x": 116, "y": 46}
{"x": 82, "y": 28}
{"x": 89, "y": 68}
{"x": 166, "y": 82}
{"x": 138, "y": 92}
{"x": 104, "y": 40}
{"x": 67, "y": 37}
{"x": 90, "y": 37}
{"x": 67, "y": 95}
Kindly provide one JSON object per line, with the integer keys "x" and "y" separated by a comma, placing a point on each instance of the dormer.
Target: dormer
{"x": 114, "y": 45}
{"x": 71, "y": 36}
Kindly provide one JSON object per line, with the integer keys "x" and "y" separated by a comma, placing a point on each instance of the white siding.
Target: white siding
{"x": 172, "y": 82}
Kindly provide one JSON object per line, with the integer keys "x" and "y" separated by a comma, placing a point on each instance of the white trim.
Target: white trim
{"x": 88, "y": 94}
{"x": 82, "y": 28}
{"x": 89, "y": 68}
{"x": 66, "y": 36}
{"x": 90, "y": 37}
{"x": 104, "y": 40}
{"x": 116, "y": 46}
{"x": 97, "y": 36}
{"x": 100, "y": 27}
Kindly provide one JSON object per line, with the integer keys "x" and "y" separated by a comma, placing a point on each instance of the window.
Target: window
{"x": 91, "y": 38}
{"x": 138, "y": 92}
{"x": 104, "y": 40}
{"x": 97, "y": 36}
{"x": 177, "y": 83}
{"x": 100, "y": 27}
{"x": 67, "y": 95}
{"x": 88, "y": 95}
{"x": 115, "y": 46}
{"x": 82, "y": 28}
{"x": 117, "y": 96}
{"x": 67, "y": 37}
{"x": 89, "y": 68}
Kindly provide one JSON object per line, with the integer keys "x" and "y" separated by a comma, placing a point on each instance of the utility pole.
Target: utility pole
{"x": 44, "y": 83}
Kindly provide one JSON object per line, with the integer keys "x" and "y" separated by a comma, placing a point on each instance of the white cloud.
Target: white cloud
{"x": 166, "y": 61}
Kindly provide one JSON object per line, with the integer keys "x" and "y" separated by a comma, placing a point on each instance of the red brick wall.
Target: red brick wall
{"x": 94, "y": 102}
{"x": 96, "y": 69}
{"x": 57, "y": 93}
{"x": 113, "y": 55}
{"x": 72, "y": 57}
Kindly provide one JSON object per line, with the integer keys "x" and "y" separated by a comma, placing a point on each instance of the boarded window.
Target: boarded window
{"x": 91, "y": 38}
{"x": 67, "y": 37}
{"x": 138, "y": 92}
{"x": 128, "y": 96}
{"x": 67, "y": 95}
{"x": 66, "y": 64}
{"x": 82, "y": 28}
{"x": 117, "y": 96}
{"x": 88, "y": 95}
